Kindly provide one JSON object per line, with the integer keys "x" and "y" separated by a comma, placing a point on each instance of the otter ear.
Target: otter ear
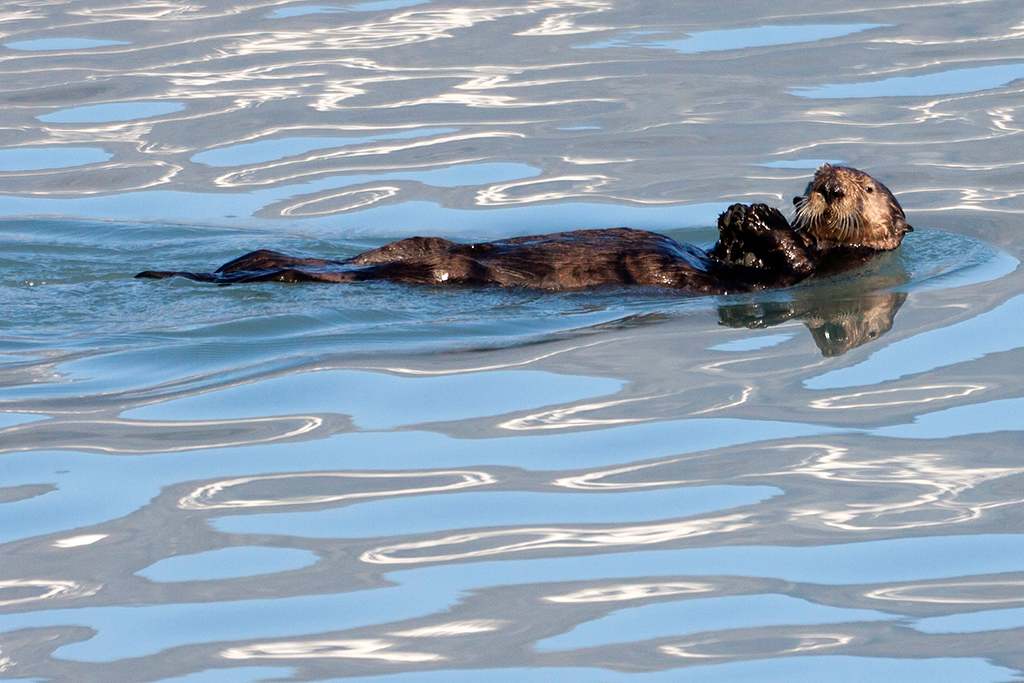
{"x": 902, "y": 226}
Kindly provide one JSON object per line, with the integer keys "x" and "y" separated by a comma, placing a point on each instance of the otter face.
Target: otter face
{"x": 846, "y": 207}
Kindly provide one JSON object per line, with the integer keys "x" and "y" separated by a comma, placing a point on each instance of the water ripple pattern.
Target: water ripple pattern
{"x": 388, "y": 483}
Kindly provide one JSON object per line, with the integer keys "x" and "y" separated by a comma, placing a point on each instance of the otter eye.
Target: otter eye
{"x": 869, "y": 188}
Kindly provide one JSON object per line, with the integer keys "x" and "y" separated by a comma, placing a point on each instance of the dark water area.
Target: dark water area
{"x": 407, "y": 484}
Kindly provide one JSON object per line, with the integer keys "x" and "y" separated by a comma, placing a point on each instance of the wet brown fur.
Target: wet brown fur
{"x": 846, "y": 207}
{"x": 843, "y": 218}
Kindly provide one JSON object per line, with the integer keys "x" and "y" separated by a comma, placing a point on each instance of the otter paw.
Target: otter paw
{"x": 745, "y": 234}
{"x": 759, "y": 240}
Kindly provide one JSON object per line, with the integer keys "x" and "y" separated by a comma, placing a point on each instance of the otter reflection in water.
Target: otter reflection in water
{"x": 836, "y": 325}
{"x": 843, "y": 218}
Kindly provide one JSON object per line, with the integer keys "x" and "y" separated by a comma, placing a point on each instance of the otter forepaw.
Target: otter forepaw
{"x": 745, "y": 234}
{"x": 759, "y": 238}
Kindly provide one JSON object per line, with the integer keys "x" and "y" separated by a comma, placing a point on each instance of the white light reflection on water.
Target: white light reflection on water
{"x": 433, "y": 514}
{"x": 453, "y": 628}
{"x": 414, "y": 26}
{"x": 175, "y": 624}
{"x": 630, "y": 591}
{"x": 303, "y": 10}
{"x": 330, "y": 649}
{"x": 939, "y": 483}
{"x": 294, "y": 170}
{"x": 212, "y": 496}
{"x": 401, "y": 220}
{"x": 896, "y": 397}
{"x": 379, "y": 401}
{"x": 988, "y": 592}
{"x": 79, "y": 541}
{"x": 896, "y": 560}
{"x": 574, "y": 417}
{"x": 279, "y": 148}
{"x": 835, "y": 669}
{"x": 735, "y": 39}
{"x": 43, "y": 589}
{"x": 703, "y": 614}
{"x": 82, "y": 497}
{"x": 528, "y": 539}
{"x": 172, "y": 625}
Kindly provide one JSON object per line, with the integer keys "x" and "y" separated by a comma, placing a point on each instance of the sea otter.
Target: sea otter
{"x": 842, "y": 219}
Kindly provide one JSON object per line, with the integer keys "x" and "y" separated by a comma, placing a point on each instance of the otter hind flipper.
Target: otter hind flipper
{"x": 163, "y": 274}
{"x": 267, "y": 260}
{"x": 293, "y": 275}
{"x": 259, "y": 265}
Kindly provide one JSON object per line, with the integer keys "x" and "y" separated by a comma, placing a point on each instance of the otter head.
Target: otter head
{"x": 846, "y": 207}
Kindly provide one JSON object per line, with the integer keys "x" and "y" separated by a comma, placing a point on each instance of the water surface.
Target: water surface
{"x": 408, "y": 484}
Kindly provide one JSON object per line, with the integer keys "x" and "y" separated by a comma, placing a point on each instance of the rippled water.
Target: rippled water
{"x": 403, "y": 484}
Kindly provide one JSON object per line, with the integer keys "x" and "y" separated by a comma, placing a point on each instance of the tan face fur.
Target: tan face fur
{"x": 847, "y": 207}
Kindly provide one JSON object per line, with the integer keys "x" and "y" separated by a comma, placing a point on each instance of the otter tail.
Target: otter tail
{"x": 263, "y": 266}
{"x": 269, "y": 275}
{"x": 161, "y": 274}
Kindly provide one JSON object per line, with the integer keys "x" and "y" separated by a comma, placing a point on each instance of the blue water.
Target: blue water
{"x": 699, "y": 615}
{"x": 839, "y": 669}
{"x": 870, "y": 562}
{"x": 118, "y": 111}
{"x": 63, "y": 44}
{"x": 269, "y": 150}
{"x": 228, "y": 563}
{"x": 980, "y": 336}
{"x": 303, "y": 10}
{"x": 737, "y": 39}
{"x": 753, "y": 343}
{"x": 425, "y": 591}
{"x": 39, "y": 158}
{"x": 952, "y": 82}
{"x": 406, "y": 516}
{"x": 399, "y": 483}
{"x": 378, "y": 401}
{"x": 801, "y": 163}
{"x": 248, "y": 674}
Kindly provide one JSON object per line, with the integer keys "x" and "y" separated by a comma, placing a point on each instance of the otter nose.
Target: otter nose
{"x": 832, "y": 189}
